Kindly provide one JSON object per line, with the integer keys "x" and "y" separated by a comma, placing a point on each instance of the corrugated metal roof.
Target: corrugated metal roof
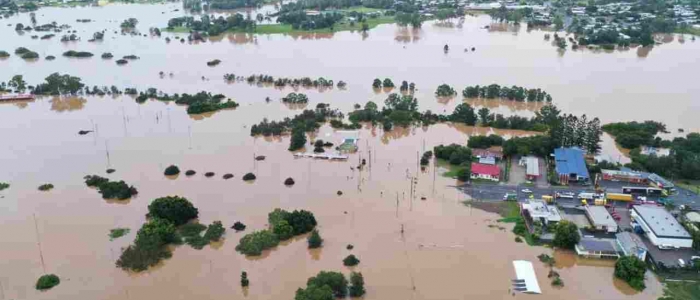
{"x": 661, "y": 222}
{"x": 525, "y": 271}
{"x": 570, "y": 161}
{"x": 600, "y": 216}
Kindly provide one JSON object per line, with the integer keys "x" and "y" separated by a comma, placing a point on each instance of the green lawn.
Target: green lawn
{"x": 361, "y": 9}
{"x": 287, "y": 29}
{"x": 689, "y": 185}
{"x": 681, "y": 291}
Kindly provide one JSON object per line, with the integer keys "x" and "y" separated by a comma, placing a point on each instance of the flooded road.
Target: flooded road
{"x": 446, "y": 250}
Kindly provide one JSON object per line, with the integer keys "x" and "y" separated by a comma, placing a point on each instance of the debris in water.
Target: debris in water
{"x": 249, "y": 177}
{"x": 228, "y": 176}
{"x": 260, "y": 157}
{"x": 289, "y": 181}
{"x": 84, "y": 132}
{"x": 110, "y": 171}
{"x": 190, "y": 172}
{"x": 340, "y": 193}
{"x": 209, "y": 174}
{"x": 350, "y": 247}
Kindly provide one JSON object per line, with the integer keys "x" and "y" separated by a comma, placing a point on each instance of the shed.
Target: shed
{"x": 594, "y": 247}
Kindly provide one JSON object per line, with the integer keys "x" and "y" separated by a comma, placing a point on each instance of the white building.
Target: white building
{"x": 661, "y": 227}
{"x": 540, "y": 211}
{"x": 648, "y": 150}
{"x": 600, "y": 218}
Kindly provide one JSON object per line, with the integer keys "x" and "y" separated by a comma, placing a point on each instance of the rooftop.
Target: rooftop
{"x": 693, "y": 217}
{"x": 540, "y": 209}
{"x": 524, "y": 271}
{"x": 570, "y": 161}
{"x": 588, "y": 244}
{"x": 661, "y": 222}
{"x": 630, "y": 243}
{"x": 492, "y": 170}
{"x": 600, "y": 216}
{"x": 533, "y": 166}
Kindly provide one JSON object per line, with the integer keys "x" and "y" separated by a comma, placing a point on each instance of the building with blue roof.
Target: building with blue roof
{"x": 570, "y": 165}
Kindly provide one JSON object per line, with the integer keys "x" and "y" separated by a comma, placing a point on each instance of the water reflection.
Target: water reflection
{"x": 63, "y": 104}
{"x": 407, "y": 34}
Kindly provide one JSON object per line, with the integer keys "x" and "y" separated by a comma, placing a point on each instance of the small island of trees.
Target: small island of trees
{"x": 295, "y": 98}
{"x": 445, "y": 90}
{"x": 328, "y": 285}
{"x": 47, "y": 281}
{"x": 71, "y": 53}
{"x": 110, "y": 189}
{"x": 283, "y": 226}
{"x": 514, "y": 93}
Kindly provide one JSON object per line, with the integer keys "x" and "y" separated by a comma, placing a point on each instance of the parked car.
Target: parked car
{"x": 527, "y": 191}
{"x": 567, "y": 195}
{"x": 665, "y": 247}
{"x": 681, "y": 262}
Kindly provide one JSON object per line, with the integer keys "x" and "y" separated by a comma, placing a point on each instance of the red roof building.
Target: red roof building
{"x": 488, "y": 172}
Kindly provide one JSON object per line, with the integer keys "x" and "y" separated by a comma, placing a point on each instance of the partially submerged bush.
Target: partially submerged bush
{"x": 107, "y": 55}
{"x": 289, "y": 181}
{"x": 228, "y": 176}
{"x": 209, "y": 174}
{"x": 175, "y": 209}
{"x": 238, "y": 226}
{"x": 249, "y": 176}
{"x": 117, "y": 189}
{"x": 4, "y": 185}
{"x": 110, "y": 171}
{"x": 190, "y": 172}
{"x": 110, "y": 189}
{"x": 71, "y": 53}
{"x": 122, "y": 62}
{"x": 213, "y": 234}
{"x": 47, "y": 281}
{"x": 172, "y": 170}
{"x": 315, "y": 240}
{"x": 149, "y": 248}
{"x": 130, "y": 57}
{"x": 351, "y": 261}
{"x": 50, "y": 57}
{"x": 118, "y": 232}
{"x": 256, "y": 242}
{"x": 4, "y": 54}
{"x": 45, "y": 187}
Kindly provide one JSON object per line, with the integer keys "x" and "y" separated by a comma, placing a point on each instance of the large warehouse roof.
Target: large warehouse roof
{"x": 570, "y": 161}
{"x": 662, "y": 223}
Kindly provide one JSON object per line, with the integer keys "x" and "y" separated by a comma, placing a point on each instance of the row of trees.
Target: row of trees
{"x": 300, "y": 20}
{"x": 214, "y": 26}
{"x": 515, "y": 93}
{"x": 281, "y": 82}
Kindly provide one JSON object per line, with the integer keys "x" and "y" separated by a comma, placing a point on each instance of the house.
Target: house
{"x": 570, "y": 165}
{"x": 648, "y": 150}
{"x": 630, "y": 245}
{"x": 600, "y": 218}
{"x": 532, "y": 164}
{"x": 661, "y": 227}
{"x": 484, "y": 171}
{"x": 538, "y": 210}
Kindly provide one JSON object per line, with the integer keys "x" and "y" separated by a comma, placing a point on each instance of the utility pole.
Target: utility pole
{"x": 38, "y": 242}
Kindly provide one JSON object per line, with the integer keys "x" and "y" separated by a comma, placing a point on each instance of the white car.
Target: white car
{"x": 527, "y": 191}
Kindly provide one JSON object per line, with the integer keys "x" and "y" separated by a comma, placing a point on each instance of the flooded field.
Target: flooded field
{"x": 446, "y": 250}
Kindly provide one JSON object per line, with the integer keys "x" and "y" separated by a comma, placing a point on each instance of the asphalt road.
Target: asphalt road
{"x": 495, "y": 192}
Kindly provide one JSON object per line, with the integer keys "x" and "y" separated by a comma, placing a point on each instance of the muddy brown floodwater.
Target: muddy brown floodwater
{"x": 446, "y": 250}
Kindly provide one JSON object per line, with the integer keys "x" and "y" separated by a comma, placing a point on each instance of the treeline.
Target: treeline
{"x": 306, "y": 82}
{"x": 300, "y": 20}
{"x": 57, "y": 84}
{"x": 631, "y": 135}
{"x": 502, "y": 14}
{"x": 457, "y": 156}
{"x": 308, "y": 120}
{"x": 214, "y": 26}
{"x": 233, "y": 4}
{"x": 514, "y": 93}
